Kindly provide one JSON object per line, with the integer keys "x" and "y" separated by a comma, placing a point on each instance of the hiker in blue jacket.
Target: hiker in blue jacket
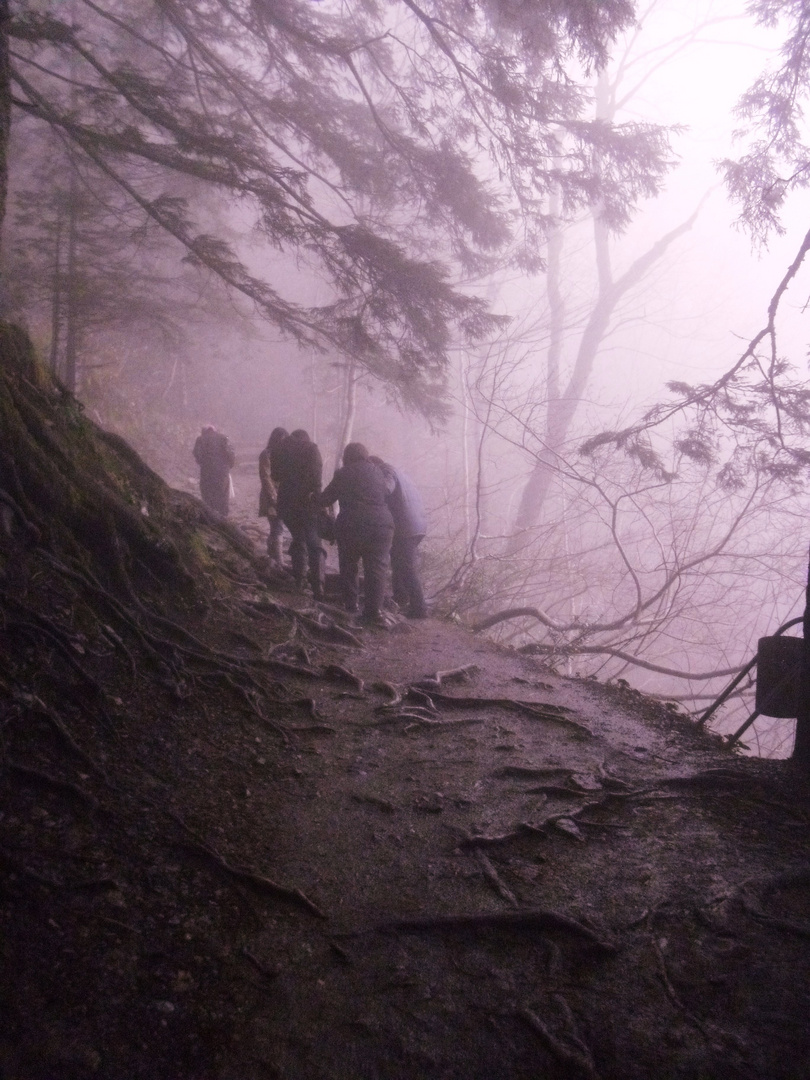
{"x": 410, "y": 526}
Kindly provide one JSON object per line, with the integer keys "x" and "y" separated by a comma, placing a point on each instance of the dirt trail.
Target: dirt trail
{"x": 244, "y": 839}
{"x": 512, "y": 893}
{"x": 555, "y": 878}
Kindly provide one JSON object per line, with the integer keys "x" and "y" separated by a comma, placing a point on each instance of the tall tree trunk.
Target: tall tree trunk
{"x": 72, "y": 298}
{"x": 56, "y": 298}
{"x": 801, "y": 747}
{"x": 349, "y": 412}
{"x": 562, "y": 408}
{"x": 562, "y": 405}
{"x": 537, "y": 486}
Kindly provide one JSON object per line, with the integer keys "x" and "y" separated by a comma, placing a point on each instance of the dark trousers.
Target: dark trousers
{"x": 215, "y": 491}
{"x": 305, "y": 548}
{"x": 371, "y": 548}
{"x": 274, "y": 538}
{"x": 405, "y": 583}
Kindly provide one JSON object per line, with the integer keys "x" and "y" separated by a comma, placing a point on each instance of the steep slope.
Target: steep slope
{"x": 242, "y": 838}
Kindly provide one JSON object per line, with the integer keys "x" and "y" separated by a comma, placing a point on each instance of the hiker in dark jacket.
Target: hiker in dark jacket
{"x": 410, "y": 526}
{"x": 268, "y": 495}
{"x": 215, "y": 456}
{"x": 364, "y": 530}
{"x": 299, "y": 470}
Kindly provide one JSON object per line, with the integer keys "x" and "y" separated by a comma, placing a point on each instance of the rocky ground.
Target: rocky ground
{"x": 243, "y": 838}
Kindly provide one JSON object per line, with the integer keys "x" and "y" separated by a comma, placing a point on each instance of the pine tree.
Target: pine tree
{"x": 445, "y": 118}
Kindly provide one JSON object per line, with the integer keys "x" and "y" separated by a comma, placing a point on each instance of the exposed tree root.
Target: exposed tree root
{"x": 528, "y": 773}
{"x": 342, "y": 674}
{"x": 263, "y": 970}
{"x": 33, "y": 533}
{"x": 421, "y": 698}
{"x": 247, "y": 877}
{"x": 532, "y": 919}
{"x": 537, "y": 710}
{"x": 520, "y": 833}
{"x": 459, "y": 674}
{"x": 374, "y": 800}
{"x": 330, "y": 632}
{"x": 40, "y": 708}
{"x": 494, "y": 878}
{"x": 751, "y": 905}
{"x": 392, "y": 692}
{"x": 576, "y": 1055}
{"x": 52, "y": 783}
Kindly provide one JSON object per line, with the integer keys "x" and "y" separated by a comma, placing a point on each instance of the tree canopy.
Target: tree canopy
{"x": 389, "y": 148}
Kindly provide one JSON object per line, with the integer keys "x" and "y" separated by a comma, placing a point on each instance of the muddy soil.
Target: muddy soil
{"x": 335, "y": 853}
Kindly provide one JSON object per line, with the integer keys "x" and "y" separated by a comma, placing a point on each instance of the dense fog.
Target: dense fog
{"x": 646, "y": 532}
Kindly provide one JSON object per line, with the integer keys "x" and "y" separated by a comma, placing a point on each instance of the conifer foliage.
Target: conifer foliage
{"x": 389, "y": 147}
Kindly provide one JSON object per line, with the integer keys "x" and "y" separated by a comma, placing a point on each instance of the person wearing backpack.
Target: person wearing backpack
{"x": 299, "y": 470}
{"x": 364, "y": 529}
{"x": 268, "y": 495}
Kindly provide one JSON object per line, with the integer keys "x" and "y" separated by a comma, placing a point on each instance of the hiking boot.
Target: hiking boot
{"x": 374, "y": 622}
{"x": 416, "y": 613}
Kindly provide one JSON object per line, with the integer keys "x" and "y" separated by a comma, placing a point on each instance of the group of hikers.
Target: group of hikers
{"x": 381, "y": 517}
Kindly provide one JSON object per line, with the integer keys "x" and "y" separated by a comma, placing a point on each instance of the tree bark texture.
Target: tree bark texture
{"x": 801, "y": 746}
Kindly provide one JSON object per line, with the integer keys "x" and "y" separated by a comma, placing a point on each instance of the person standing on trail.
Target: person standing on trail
{"x": 268, "y": 496}
{"x": 299, "y": 471}
{"x": 364, "y": 530}
{"x": 410, "y": 526}
{"x": 214, "y": 454}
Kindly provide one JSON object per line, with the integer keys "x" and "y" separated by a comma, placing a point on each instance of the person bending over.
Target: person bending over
{"x": 364, "y": 529}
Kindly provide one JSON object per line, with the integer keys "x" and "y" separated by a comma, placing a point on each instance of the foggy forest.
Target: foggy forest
{"x": 530, "y": 797}
{"x": 547, "y": 258}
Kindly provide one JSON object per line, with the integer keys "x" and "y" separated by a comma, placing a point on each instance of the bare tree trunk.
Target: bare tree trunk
{"x": 464, "y": 391}
{"x": 56, "y": 299}
{"x": 801, "y": 746}
{"x": 72, "y": 319}
{"x": 536, "y": 490}
{"x": 562, "y": 405}
{"x": 349, "y": 412}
